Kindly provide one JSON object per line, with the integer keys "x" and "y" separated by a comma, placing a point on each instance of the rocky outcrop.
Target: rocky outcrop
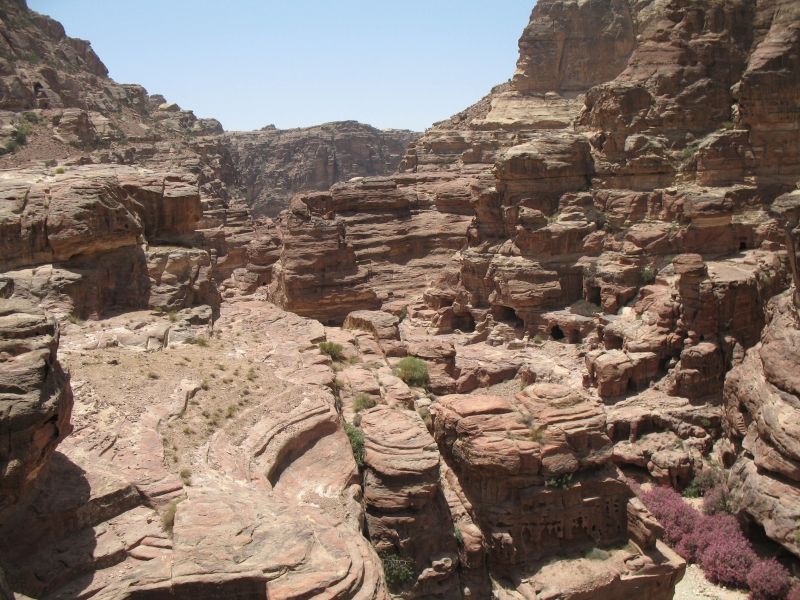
{"x": 535, "y": 475}
{"x": 407, "y": 515}
{"x": 273, "y": 165}
{"x": 760, "y": 420}
{"x": 36, "y": 397}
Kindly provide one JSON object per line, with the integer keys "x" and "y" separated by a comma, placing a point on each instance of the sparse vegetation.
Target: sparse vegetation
{"x": 75, "y": 320}
{"x": 168, "y": 520}
{"x": 403, "y": 314}
{"x": 186, "y": 476}
{"x": 597, "y": 554}
{"x": 60, "y": 171}
{"x": 172, "y": 316}
{"x": 728, "y": 125}
{"x": 356, "y": 443}
{"x": 648, "y": 275}
{"x": 537, "y": 339}
{"x": 689, "y": 152}
{"x": 50, "y": 163}
{"x": 204, "y": 385}
{"x": 538, "y": 435}
{"x": 363, "y": 402}
{"x": 585, "y": 308}
{"x": 153, "y": 375}
{"x": 413, "y": 370}
{"x": 561, "y": 481}
{"x": 459, "y": 536}
{"x": 332, "y": 349}
{"x": 398, "y": 571}
{"x": 251, "y": 374}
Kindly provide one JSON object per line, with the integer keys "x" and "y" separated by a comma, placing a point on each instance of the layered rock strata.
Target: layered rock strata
{"x": 36, "y": 396}
{"x": 272, "y": 165}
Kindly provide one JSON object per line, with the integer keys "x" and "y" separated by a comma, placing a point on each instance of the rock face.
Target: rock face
{"x": 761, "y": 408}
{"x": 273, "y": 165}
{"x": 35, "y": 396}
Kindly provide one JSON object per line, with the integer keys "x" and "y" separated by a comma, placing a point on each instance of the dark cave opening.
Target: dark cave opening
{"x": 556, "y": 333}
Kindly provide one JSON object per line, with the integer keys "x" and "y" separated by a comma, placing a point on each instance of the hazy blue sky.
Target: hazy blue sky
{"x": 250, "y": 63}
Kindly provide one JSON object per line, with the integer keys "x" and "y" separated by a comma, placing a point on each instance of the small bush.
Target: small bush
{"x": 677, "y": 517}
{"x": 562, "y": 481}
{"x": 251, "y": 374}
{"x": 60, "y": 171}
{"x": 22, "y": 133}
{"x": 727, "y": 560}
{"x": 75, "y": 320}
{"x": 50, "y": 163}
{"x": 689, "y": 152}
{"x": 413, "y": 370}
{"x": 186, "y": 476}
{"x": 459, "y": 536}
{"x": 357, "y": 419}
{"x": 794, "y": 594}
{"x": 648, "y": 275}
{"x": 30, "y": 117}
{"x": 397, "y": 570}
{"x": 538, "y": 435}
{"x": 363, "y": 402}
{"x": 172, "y": 316}
{"x": 585, "y": 308}
{"x": 168, "y": 520}
{"x": 356, "y": 443}
{"x": 768, "y": 580}
{"x": 703, "y": 482}
{"x": 728, "y": 125}
{"x": 204, "y": 385}
{"x": 537, "y": 339}
{"x": 332, "y": 349}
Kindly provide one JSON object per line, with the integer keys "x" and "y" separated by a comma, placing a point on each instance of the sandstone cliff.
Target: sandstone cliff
{"x": 272, "y": 165}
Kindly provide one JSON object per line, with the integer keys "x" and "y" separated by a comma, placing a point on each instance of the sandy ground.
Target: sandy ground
{"x": 694, "y": 585}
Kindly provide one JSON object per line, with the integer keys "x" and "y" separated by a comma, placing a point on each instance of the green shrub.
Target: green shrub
{"x": 356, "y": 443}
{"x": 22, "y": 133}
{"x": 173, "y": 316}
{"x": 168, "y": 520}
{"x": 459, "y": 536}
{"x": 413, "y": 370}
{"x": 50, "y": 163}
{"x": 648, "y": 275}
{"x": 562, "y": 481}
{"x": 30, "y": 117}
{"x": 363, "y": 402}
{"x": 332, "y": 349}
{"x": 537, "y": 339}
{"x": 398, "y": 571}
{"x": 201, "y": 341}
{"x": 689, "y": 152}
{"x": 60, "y": 171}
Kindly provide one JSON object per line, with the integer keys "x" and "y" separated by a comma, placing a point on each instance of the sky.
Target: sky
{"x": 295, "y": 63}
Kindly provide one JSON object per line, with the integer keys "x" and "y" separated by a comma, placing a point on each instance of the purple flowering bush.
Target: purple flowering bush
{"x": 717, "y": 544}
{"x": 769, "y": 580}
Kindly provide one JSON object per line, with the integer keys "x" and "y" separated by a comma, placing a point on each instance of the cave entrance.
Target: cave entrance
{"x": 742, "y": 244}
{"x": 593, "y": 294}
{"x": 508, "y": 315}
{"x": 556, "y": 333}
{"x": 465, "y": 323}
